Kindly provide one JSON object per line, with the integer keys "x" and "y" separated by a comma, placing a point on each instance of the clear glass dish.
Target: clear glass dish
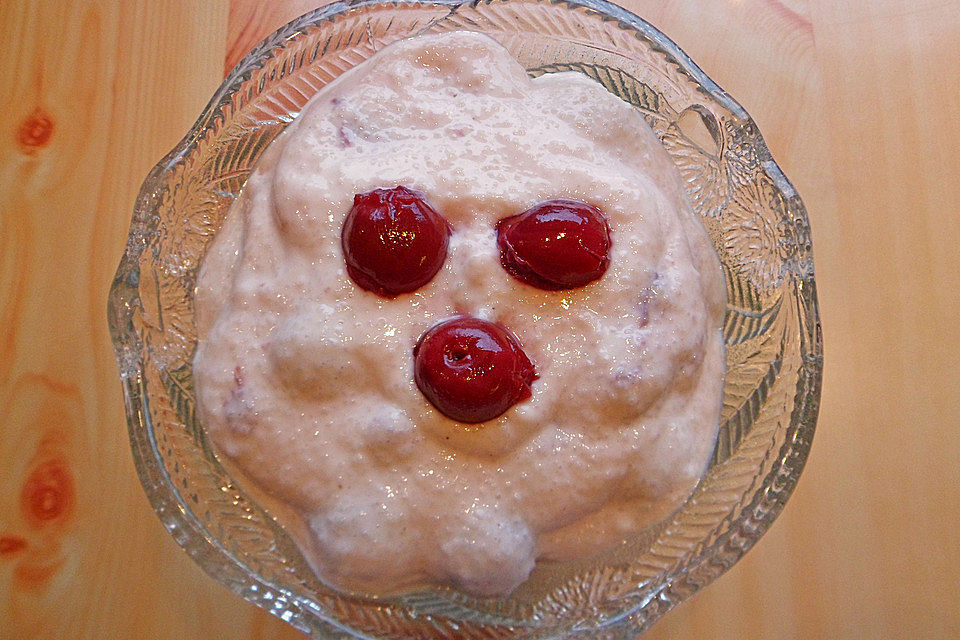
{"x": 755, "y": 219}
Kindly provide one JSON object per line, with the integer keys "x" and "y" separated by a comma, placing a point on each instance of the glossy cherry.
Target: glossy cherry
{"x": 393, "y": 241}
{"x": 471, "y": 370}
{"x": 557, "y": 244}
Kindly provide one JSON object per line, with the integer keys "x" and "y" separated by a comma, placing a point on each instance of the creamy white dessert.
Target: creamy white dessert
{"x": 305, "y": 381}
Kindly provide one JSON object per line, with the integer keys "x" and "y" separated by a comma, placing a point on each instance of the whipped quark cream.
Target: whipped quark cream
{"x": 304, "y": 380}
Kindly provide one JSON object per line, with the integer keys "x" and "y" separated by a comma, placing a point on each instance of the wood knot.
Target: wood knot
{"x": 35, "y": 132}
{"x": 9, "y": 545}
{"x": 48, "y": 494}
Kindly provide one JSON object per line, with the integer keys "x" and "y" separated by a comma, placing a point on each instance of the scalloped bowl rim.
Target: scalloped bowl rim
{"x": 164, "y": 496}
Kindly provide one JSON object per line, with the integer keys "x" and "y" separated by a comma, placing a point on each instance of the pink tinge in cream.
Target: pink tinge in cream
{"x": 305, "y": 380}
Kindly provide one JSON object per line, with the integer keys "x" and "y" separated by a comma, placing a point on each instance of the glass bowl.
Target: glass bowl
{"x": 752, "y": 213}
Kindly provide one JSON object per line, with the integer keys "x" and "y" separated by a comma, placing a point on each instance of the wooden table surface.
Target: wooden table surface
{"x": 860, "y": 103}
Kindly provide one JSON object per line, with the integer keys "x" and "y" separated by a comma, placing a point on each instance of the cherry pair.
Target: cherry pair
{"x": 394, "y": 242}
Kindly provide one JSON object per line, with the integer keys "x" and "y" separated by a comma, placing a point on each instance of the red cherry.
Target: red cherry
{"x": 471, "y": 370}
{"x": 557, "y": 244}
{"x": 393, "y": 241}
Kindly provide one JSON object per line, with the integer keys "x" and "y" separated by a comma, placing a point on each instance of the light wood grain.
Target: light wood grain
{"x": 860, "y": 104}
